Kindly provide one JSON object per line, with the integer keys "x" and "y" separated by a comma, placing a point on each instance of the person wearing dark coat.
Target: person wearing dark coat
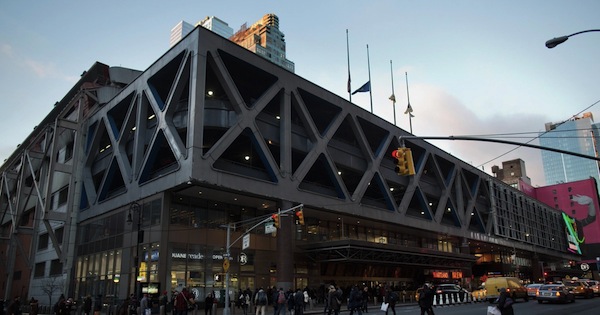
{"x": 355, "y": 301}
{"x": 505, "y": 303}
{"x": 426, "y": 299}
{"x": 334, "y": 300}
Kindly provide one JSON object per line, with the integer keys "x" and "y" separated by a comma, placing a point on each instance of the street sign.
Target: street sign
{"x": 226, "y": 264}
{"x": 270, "y": 227}
{"x": 585, "y": 267}
{"x": 246, "y": 241}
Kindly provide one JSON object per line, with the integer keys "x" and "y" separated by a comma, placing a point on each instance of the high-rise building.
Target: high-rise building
{"x": 179, "y": 31}
{"x": 264, "y": 39}
{"x": 216, "y": 25}
{"x": 580, "y": 135}
{"x": 210, "y": 22}
{"x": 511, "y": 172}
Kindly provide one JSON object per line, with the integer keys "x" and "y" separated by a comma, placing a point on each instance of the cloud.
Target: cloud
{"x": 6, "y": 50}
{"x": 440, "y": 114}
{"x": 40, "y": 69}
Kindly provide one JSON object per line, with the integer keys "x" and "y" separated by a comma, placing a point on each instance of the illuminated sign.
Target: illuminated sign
{"x": 572, "y": 234}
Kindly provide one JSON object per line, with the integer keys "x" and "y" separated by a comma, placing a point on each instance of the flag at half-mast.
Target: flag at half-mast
{"x": 364, "y": 88}
{"x": 409, "y": 111}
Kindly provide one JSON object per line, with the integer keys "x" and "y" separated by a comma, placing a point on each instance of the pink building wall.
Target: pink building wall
{"x": 577, "y": 199}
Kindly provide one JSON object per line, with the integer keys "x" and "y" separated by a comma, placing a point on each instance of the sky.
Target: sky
{"x": 474, "y": 68}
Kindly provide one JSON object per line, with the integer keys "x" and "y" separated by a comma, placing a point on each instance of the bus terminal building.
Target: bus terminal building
{"x": 133, "y": 180}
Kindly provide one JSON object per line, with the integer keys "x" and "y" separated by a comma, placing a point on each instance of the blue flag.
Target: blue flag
{"x": 365, "y": 88}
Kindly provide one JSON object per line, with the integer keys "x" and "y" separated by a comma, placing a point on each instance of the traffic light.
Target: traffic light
{"x": 404, "y": 162}
{"x": 300, "y": 216}
{"x": 276, "y": 220}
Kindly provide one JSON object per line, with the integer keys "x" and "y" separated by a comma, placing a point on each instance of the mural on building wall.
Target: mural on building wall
{"x": 578, "y": 200}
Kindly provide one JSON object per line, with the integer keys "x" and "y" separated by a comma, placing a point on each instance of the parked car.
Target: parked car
{"x": 594, "y": 284}
{"x": 532, "y": 289}
{"x": 580, "y": 288}
{"x": 554, "y": 293}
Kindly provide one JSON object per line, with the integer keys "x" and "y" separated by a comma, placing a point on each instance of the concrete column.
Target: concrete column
{"x": 285, "y": 247}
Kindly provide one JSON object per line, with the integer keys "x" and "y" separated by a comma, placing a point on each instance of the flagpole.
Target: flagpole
{"x": 408, "y": 108}
{"x": 370, "y": 83}
{"x": 393, "y": 97}
{"x": 348, "y": 54}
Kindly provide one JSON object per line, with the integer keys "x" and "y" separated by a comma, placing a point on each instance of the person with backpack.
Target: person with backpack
{"x": 391, "y": 297}
{"x": 261, "y": 301}
{"x": 280, "y": 302}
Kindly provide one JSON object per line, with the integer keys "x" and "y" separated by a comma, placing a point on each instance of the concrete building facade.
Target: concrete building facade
{"x": 198, "y": 151}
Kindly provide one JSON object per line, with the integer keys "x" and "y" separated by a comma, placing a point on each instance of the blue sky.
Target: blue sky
{"x": 474, "y": 67}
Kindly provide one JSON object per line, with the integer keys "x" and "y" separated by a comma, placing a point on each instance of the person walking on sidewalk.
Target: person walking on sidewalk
{"x": 355, "y": 301}
{"x": 261, "y": 301}
{"x": 334, "y": 300}
{"x": 391, "y": 297}
{"x": 426, "y": 299}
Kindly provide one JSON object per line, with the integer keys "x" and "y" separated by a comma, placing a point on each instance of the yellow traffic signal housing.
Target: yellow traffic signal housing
{"x": 275, "y": 220}
{"x": 404, "y": 162}
{"x": 300, "y": 216}
{"x": 408, "y": 158}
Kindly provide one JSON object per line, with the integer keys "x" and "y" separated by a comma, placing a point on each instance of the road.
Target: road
{"x": 580, "y": 307}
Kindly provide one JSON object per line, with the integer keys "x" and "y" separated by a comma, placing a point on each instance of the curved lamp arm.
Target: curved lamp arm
{"x": 559, "y": 40}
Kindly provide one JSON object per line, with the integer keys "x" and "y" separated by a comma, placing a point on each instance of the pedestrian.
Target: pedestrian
{"x": 426, "y": 299}
{"x": 123, "y": 308}
{"x": 208, "y": 304}
{"x": 280, "y": 302}
{"x": 505, "y": 303}
{"x": 87, "y": 304}
{"x": 391, "y": 297}
{"x": 334, "y": 300}
{"x": 290, "y": 301}
{"x": 56, "y": 307}
{"x": 146, "y": 309}
{"x": 298, "y": 302}
{"x": 33, "y": 306}
{"x": 98, "y": 304}
{"x": 355, "y": 300}
{"x": 184, "y": 302}
{"x": 133, "y": 305}
{"x": 365, "y": 297}
{"x": 165, "y": 307}
{"x": 261, "y": 301}
{"x": 15, "y": 306}
{"x": 244, "y": 299}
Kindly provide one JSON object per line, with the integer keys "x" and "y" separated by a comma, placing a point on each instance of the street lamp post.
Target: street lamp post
{"x": 135, "y": 207}
{"x": 559, "y": 40}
